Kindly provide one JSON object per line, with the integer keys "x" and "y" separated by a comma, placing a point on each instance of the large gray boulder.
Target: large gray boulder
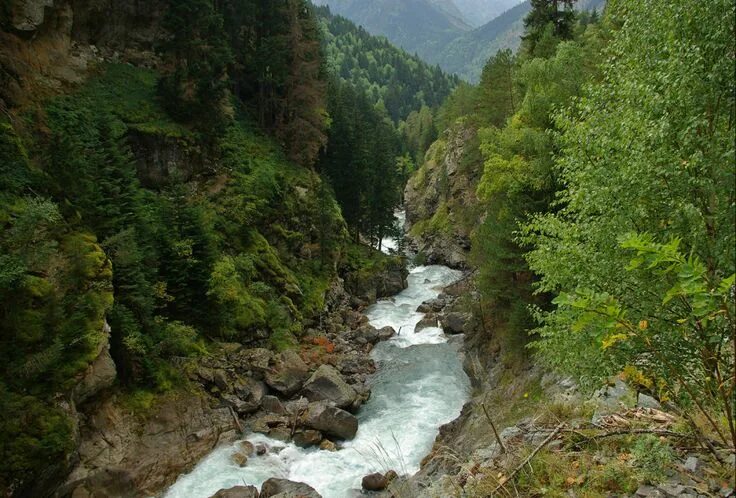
{"x": 327, "y": 384}
{"x": 283, "y": 488}
{"x": 237, "y": 492}
{"x": 288, "y": 374}
{"x": 454, "y": 323}
{"x": 331, "y": 420}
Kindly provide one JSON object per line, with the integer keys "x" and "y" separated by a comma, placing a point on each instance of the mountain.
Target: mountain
{"x": 387, "y": 75}
{"x": 423, "y": 27}
{"x": 467, "y": 54}
{"x": 439, "y": 30}
{"x": 479, "y": 12}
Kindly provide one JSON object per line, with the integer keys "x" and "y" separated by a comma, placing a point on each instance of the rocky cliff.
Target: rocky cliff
{"x": 441, "y": 206}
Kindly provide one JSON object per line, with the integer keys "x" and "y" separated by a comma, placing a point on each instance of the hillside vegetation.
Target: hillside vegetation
{"x": 602, "y": 157}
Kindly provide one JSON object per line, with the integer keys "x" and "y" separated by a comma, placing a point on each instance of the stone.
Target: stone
{"x": 239, "y": 459}
{"x": 219, "y": 377}
{"x": 288, "y": 374}
{"x": 99, "y": 375}
{"x": 430, "y": 320}
{"x": 327, "y": 445}
{"x": 331, "y": 420}
{"x": 391, "y": 475}
{"x": 237, "y": 492}
{"x": 261, "y": 449}
{"x": 307, "y": 438}
{"x": 692, "y": 464}
{"x": 265, "y": 423}
{"x": 454, "y": 323}
{"x": 671, "y": 488}
{"x": 284, "y": 488}
{"x": 649, "y": 491}
{"x": 645, "y": 401}
{"x": 246, "y": 448}
{"x": 374, "y": 482}
{"x": 280, "y": 434}
{"x": 327, "y": 384}
{"x": 123, "y": 455}
{"x": 386, "y": 333}
{"x": 512, "y": 432}
{"x": 273, "y": 405}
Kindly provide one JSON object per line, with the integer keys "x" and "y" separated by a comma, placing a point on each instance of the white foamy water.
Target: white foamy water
{"x": 420, "y": 385}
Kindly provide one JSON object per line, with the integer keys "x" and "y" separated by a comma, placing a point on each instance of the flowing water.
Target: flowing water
{"x": 419, "y": 386}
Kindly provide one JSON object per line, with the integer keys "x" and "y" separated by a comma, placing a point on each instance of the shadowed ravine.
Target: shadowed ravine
{"x": 420, "y": 385}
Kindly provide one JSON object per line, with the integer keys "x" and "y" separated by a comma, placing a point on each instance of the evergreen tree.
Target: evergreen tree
{"x": 196, "y": 88}
{"x": 555, "y": 18}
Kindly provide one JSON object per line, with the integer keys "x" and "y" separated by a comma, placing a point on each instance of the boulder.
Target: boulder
{"x": 239, "y": 459}
{"x": 375, "y": 482}
{"x": 386, "y": 333}
{"x": 272, "y": 404}
{"x": 288, "y": 374}
{"x": 307, "y": 438}
{"x": 332, "y": 420}
{"x": 391, "y": 475}
{"x": 454, "y": 323}
{"x": 327, "y": 445}
{"x": 284, "y": 488}
{"x": 327, "y": 384}
{"x": 246, "y": 448}
{"x": 430, "y": 320}
{"x": 280, "y": 433}
{"x": 264, "y": 423}
{"x": 237, "y": 492}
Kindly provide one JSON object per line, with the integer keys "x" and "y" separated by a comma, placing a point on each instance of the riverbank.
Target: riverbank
{"x": 419, "y": 385}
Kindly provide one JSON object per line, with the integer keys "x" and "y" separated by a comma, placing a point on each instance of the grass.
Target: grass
{"x": 129, "y": 93}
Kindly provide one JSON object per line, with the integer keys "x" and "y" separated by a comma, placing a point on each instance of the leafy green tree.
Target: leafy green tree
{"x": 649, "y": 151}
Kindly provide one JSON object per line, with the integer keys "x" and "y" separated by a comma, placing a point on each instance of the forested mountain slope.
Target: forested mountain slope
{"x": 588, "y": 183}
{"x": 390, "y": 78}
{"x": 150, "y": 207}
{"x": 418, "y": 26}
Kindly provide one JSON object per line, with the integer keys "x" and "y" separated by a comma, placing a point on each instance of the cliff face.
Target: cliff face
{"x": 50, "y": 44}
{"x": 441, "y": 206}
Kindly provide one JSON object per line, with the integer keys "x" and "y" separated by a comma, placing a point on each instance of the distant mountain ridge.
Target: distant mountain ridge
{"x": 440, "y": 32}
{"x": 423, "y": 27}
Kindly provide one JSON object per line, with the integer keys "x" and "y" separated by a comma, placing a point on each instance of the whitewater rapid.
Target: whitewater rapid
{"x": 419, "y": 386}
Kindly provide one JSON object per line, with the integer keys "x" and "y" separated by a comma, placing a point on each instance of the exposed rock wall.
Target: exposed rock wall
{"x": 441, "y": 206}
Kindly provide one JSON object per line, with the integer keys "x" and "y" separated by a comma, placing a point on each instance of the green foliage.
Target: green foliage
{"x": 360, "y": 163}
{"x": 651, "y": 458}
{"x": 649, "y": 150}
{"x": 388, "y": 76}
{"x": 548, "y": 22}
{"x": 195, "y": 90}
{"x": 35, "y": 436}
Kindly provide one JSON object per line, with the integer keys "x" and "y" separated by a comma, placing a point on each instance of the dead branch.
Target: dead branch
{"x": 529, "y": 458}
{"x": 493, "y": 426}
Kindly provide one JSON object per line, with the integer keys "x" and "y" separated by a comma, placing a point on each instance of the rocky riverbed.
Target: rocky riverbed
{"x": 364, "y": 417}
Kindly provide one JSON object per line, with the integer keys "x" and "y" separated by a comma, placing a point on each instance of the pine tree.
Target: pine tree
{"x": 196, "y": 88}
{"x": 551, "y": 17}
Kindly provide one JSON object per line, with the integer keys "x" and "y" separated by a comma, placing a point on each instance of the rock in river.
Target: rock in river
{"x": 327, "y": 384}
{"x": 237, "y": 492}
{"x": 283, "y": 488}
{"x": 375, "y": 482}
{"x": 331, "y": 420}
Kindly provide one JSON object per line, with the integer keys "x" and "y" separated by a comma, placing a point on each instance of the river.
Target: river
{"x": 419, "y": 386}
